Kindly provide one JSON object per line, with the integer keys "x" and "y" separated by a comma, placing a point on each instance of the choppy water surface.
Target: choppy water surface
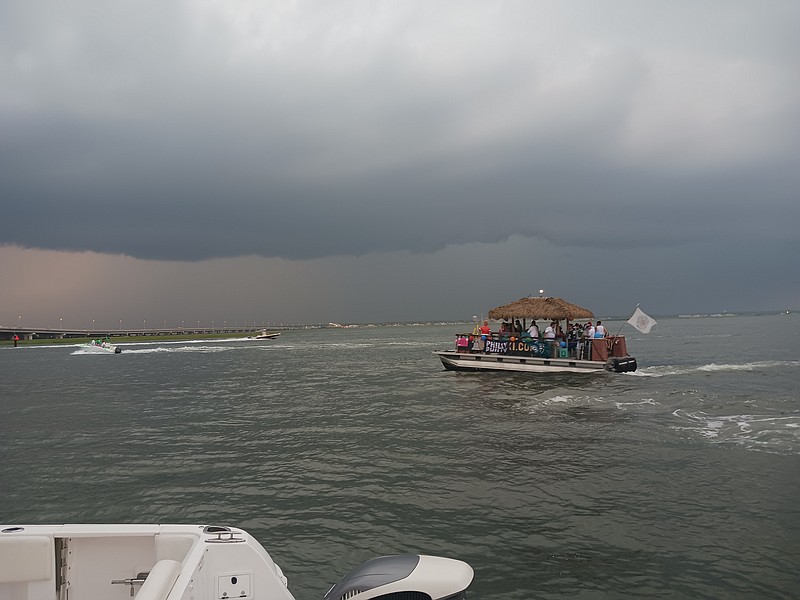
{"x": 681, "y": 480}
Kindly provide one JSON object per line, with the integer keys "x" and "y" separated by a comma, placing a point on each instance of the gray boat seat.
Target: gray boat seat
{"x": 160, "y": 580}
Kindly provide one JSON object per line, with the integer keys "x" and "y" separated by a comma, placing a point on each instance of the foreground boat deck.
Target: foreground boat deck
{"x": 152, "y": 562}
{"x": 191, "y": 562}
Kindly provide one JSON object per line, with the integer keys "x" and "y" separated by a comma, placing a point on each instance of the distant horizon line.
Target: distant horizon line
{"x": 333, "y": 325}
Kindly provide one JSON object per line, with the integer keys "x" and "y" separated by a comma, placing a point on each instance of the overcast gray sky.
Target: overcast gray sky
{"x": 368, "y": 160}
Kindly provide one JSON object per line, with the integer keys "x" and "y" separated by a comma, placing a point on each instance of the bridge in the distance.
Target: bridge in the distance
{"x": 29, "y": 333}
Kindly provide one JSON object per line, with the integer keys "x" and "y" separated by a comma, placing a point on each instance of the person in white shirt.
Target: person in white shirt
{"x": 599, "y": 331}
{"x": 550, "y": 338}
{"x": 578, "y": 334}
{"x": 588, "y": 334}
{"x": 533, "y": 330}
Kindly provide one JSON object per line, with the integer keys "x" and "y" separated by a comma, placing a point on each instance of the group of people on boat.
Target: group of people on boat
{"x": 553, "y": 331}
{"x": 574, "y": 341}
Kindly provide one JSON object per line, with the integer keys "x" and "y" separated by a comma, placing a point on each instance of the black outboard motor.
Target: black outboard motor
{"x": 623, "y": 364}
{"x": 405, "y": 577}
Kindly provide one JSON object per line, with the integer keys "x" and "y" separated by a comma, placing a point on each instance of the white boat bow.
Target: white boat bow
{"x": 191, "y": 562}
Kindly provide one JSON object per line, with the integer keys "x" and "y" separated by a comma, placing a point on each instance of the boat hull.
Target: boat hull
{"x": 473, "y": 361}
{"x": 103, "y": 349}
{"x": 264, "y": 336}
{"x": 185, "y": 562}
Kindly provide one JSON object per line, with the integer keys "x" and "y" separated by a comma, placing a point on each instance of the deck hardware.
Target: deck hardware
{"x": 133, "y": 581}
{"x": 12, "y": 530}
{"x": 225, "y": 535}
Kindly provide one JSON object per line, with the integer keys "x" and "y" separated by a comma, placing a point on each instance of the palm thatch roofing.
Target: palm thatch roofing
{"x": 551, "y": 309}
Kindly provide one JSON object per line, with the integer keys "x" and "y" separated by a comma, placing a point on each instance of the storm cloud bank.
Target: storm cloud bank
{"x": 202, "y": 129}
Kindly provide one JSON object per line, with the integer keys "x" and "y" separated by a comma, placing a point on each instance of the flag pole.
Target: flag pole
{"x": 623, "y": 323}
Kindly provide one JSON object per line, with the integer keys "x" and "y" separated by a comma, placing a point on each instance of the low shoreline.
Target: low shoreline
{"x": 121, "y": 339}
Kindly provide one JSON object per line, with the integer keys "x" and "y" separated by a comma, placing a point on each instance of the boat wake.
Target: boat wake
{"x": 195, "y": 348}
{"x": 546, "y": 400}
{"x": 667, "y": 370}
{"x": 201, "y": 349}
{"x": 779, "y": 434}
{"x": 177, "y": 349}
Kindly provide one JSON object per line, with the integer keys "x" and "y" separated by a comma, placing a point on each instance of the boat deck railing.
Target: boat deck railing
{"x": 595, "y": 349}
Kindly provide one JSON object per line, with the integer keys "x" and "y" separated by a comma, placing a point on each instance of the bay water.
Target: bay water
{"x": 334, "y": 446}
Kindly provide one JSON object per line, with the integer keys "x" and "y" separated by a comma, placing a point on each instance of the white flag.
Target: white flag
{"x": 641, "y": 321}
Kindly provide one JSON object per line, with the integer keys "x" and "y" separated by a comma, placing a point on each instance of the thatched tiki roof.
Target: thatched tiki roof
{"x": 550, "y": 309}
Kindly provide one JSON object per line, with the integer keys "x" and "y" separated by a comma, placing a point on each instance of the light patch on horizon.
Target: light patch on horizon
{"x": 88, "y": 288}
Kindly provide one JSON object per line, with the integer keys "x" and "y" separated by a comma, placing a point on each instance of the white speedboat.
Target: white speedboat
{"x": 264, "y": 335}
{"x": 102, "y": 347}
{"x": 191, "y": 562}
{"x": 515, "y": 350}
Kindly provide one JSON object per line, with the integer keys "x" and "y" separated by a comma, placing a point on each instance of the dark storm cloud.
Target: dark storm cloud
{"x": 299, "y": 131}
